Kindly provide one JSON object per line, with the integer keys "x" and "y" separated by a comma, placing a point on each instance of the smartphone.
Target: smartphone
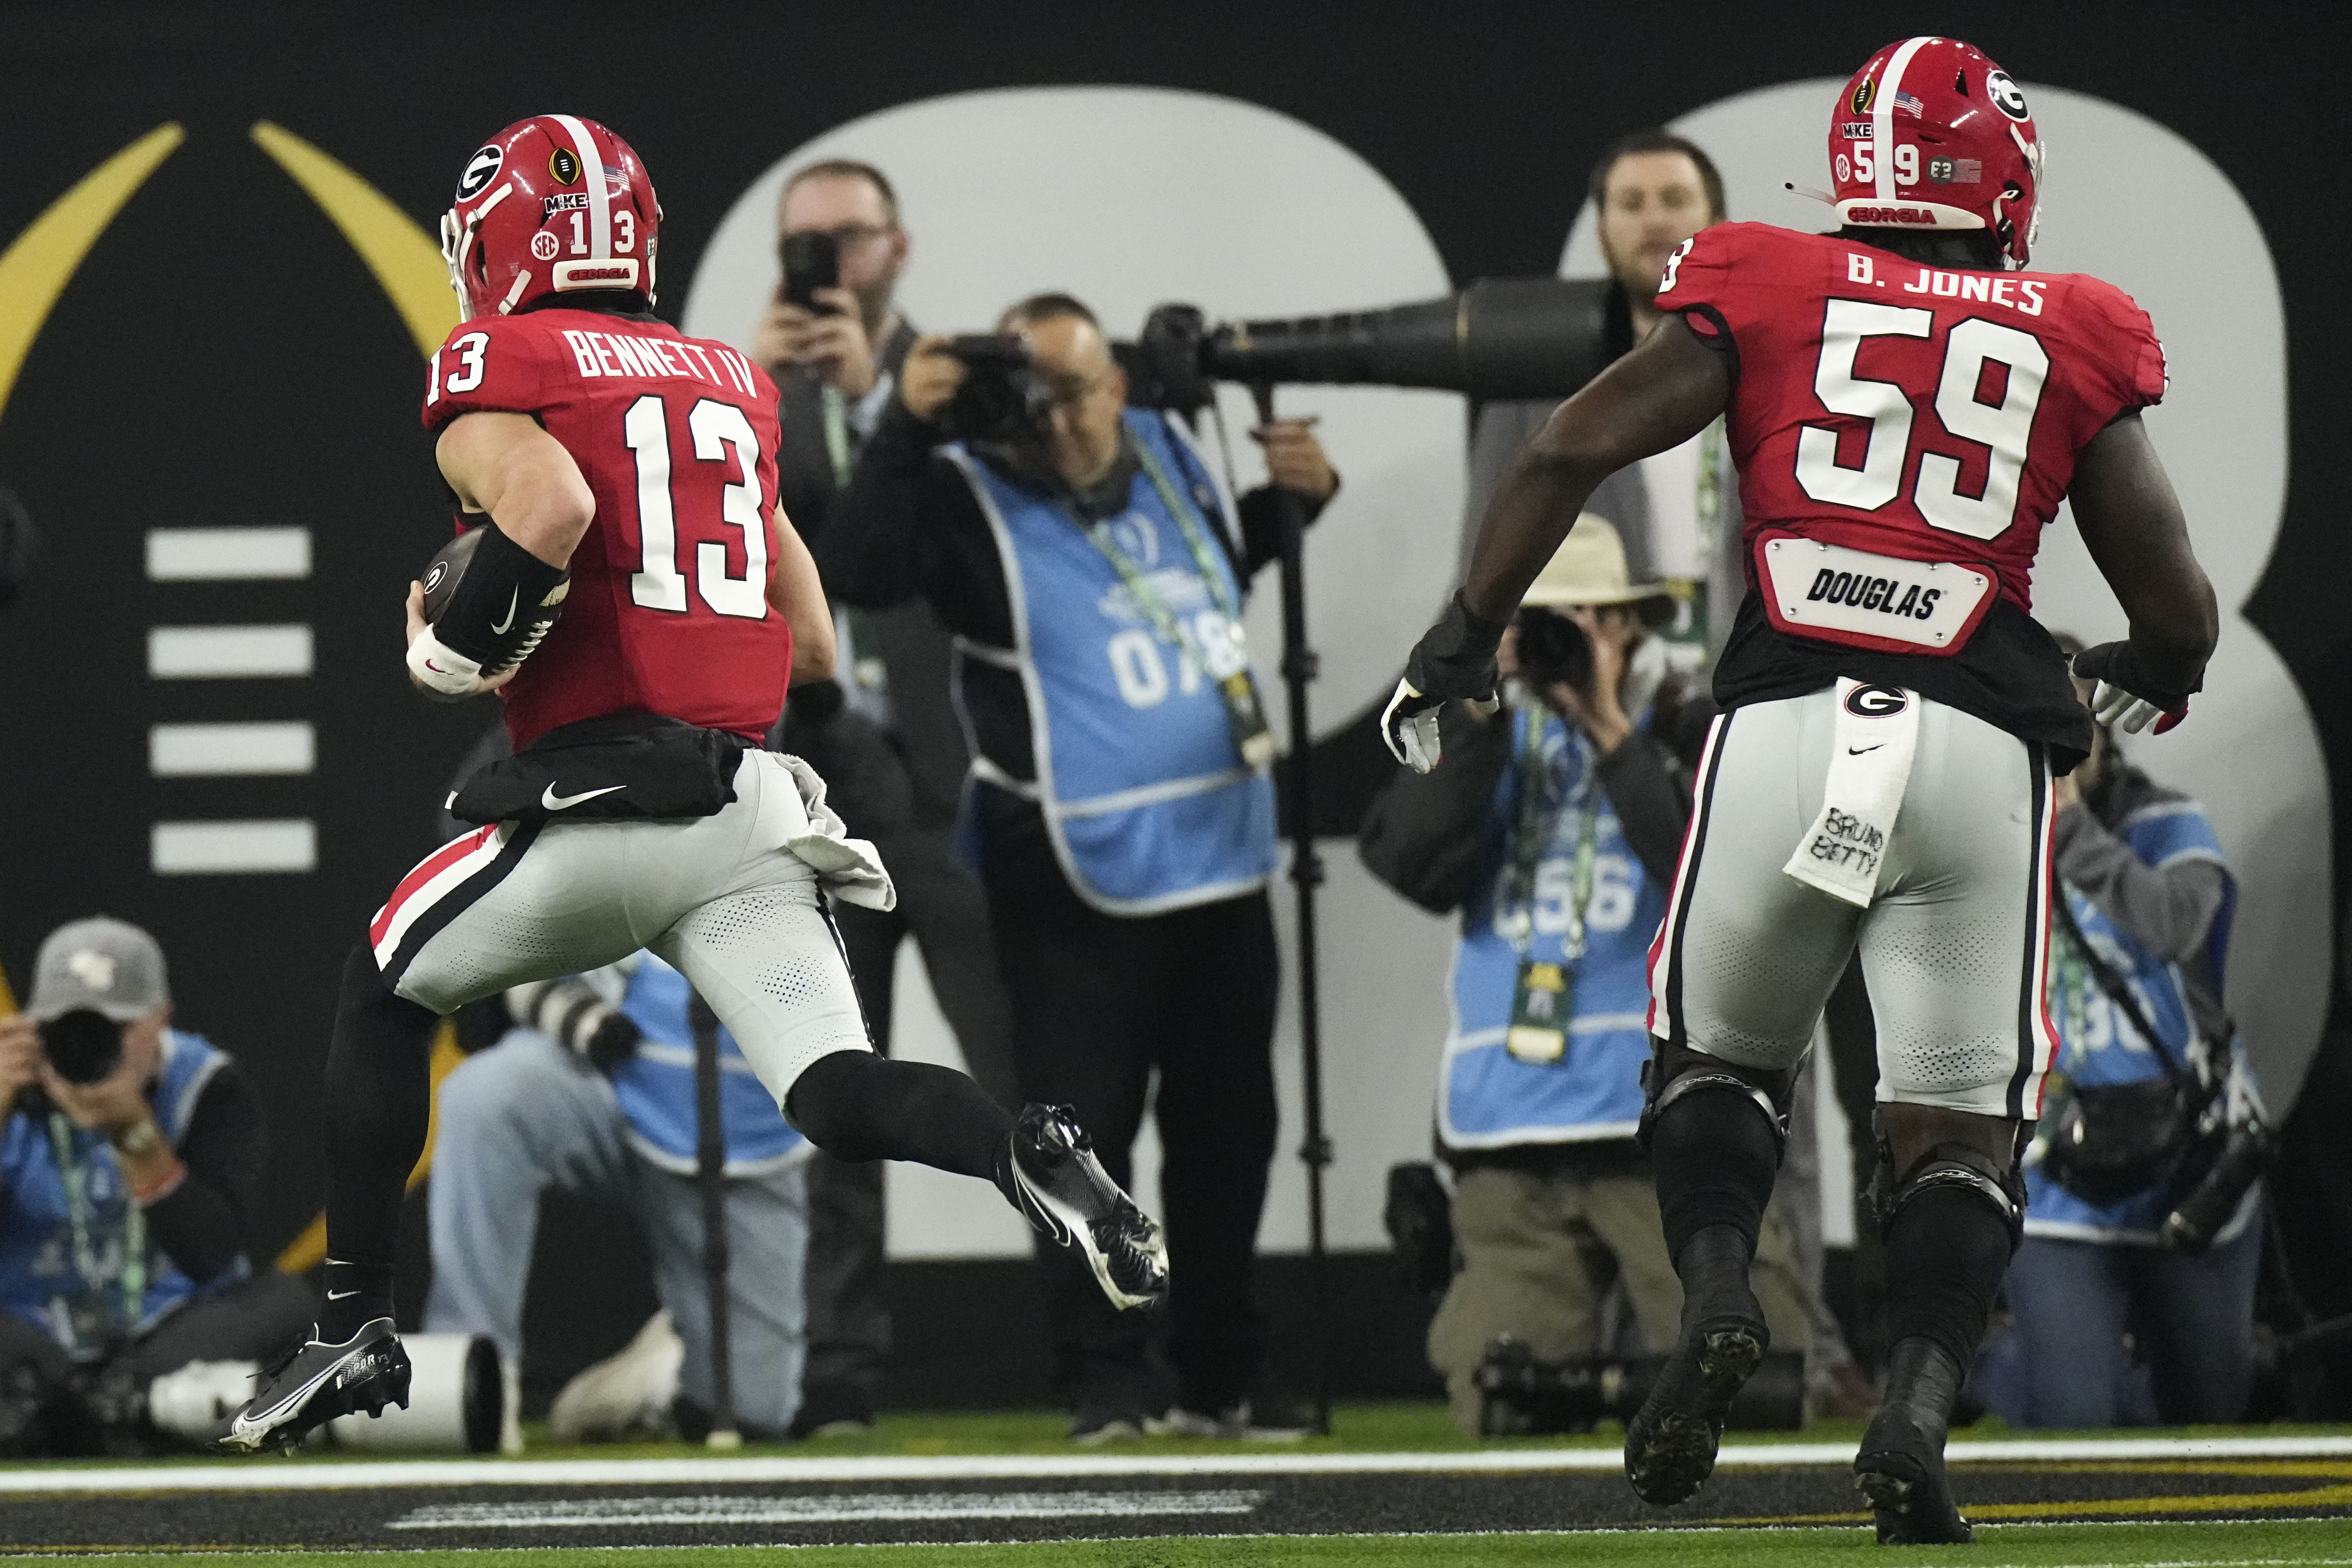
{"x": 812, "y": 261}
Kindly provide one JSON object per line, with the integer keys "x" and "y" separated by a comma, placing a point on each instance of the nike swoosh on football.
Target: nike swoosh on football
{"x": 555, "y": 802}
{"x": 514, "y": 597}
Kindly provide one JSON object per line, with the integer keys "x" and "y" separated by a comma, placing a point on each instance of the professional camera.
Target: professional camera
{"x": 1552, "y": 650}
{"x": 1499, "y": 337}
{"x": 1001, "y": 397}
{"x": 84, "y": 1046}
{"x": 1520, "y": 1397}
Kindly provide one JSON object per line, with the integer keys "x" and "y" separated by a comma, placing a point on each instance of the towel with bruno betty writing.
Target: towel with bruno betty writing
{"x": 1870, "y": 748}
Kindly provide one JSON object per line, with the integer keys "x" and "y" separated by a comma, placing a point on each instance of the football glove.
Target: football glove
{"x": 2124, "y": 692}
{"x": 1454, "y": 659}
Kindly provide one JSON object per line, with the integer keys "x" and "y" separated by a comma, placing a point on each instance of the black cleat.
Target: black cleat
{"x": 1900, "y": 1466}
{"x": 1051, "y": 1174}
{"x": 314, "y": 1383}
{"x": 1670, "y": 1443}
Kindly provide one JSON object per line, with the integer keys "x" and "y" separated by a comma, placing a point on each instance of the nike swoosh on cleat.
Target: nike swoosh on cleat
{"x": 555, "y": 802}
{"x": 341, "y": 1295}
{"x": 514, "y": 596}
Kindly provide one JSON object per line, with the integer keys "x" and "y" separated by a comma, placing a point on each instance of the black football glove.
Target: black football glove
{"x": 1454, "y": 659}
{"x": 2125, "y": 693}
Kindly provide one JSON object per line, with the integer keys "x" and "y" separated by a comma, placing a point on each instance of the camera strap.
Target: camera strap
{"x": 74, "y": 1176}
{"x": 1543, "y": 999}
{"x": 2076, "y": 956}
{"x": 1227, "y": 662}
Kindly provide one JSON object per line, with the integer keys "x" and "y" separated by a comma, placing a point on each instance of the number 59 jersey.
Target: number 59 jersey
{"x": 1903, "y": 432}
{"x": 677, "y": 437}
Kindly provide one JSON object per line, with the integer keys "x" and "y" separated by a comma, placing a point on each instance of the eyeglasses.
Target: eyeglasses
{"x": 849, "y": 236}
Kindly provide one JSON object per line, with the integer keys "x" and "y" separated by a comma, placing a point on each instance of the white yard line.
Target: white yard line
{"x": 262, "y": 1475}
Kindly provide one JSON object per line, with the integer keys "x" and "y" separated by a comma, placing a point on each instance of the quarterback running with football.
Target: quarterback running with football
{"x": 620, "y": 482}
{"x": 1907, "y": 407}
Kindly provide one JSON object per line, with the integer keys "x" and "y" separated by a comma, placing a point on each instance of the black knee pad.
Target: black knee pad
{"x": 1950, "y": 1166}
{"x": 1675, "y": 1070}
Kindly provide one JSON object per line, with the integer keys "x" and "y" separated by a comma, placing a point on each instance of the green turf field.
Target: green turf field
{"x": 2242, "y": 1545}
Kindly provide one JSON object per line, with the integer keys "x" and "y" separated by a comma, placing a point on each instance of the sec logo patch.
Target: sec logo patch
{"x": 544, "y": 245}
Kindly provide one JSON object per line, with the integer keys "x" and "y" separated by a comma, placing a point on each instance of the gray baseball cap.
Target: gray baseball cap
{"x": 109, "y": 966}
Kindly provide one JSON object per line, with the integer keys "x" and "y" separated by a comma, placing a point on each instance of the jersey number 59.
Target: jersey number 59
{"x": 2003, "y": 429}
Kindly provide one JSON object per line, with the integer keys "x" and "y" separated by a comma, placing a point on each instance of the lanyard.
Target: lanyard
{"x": 1713, "y": 451}
{"x": 837, "y": 432}
{"x": 1188, "y": 523}
{"x": 87, "y": 1262}
{"x": 1538, "y": 829}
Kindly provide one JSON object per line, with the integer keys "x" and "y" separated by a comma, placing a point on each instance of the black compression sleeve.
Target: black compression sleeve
{"x": 200, "y": 1224}
{"x": 503, "y": 602}
{"x": 856, "y": 1106}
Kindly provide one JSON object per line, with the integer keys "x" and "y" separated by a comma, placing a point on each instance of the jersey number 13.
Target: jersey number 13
{"x": 659, "y": 584}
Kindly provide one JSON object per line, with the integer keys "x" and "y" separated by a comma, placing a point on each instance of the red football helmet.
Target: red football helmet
{"x": 1930, "y": 134}
{"x": 551, "y": 205}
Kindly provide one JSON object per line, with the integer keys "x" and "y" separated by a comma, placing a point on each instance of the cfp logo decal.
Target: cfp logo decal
{"x": 2005, "y": 96}
{"x": 40, "y": 262}
{"x": 93, "y": 969}
{"x": 565, "y": 164}
{"x": 479, "y": 170}
{"x": 1863, "y": 95}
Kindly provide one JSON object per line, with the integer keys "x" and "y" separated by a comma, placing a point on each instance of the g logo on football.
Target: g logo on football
{"x": 2005, "y": 97}
{"x": 544, "y": 245}
{"x": 480, "y": 169}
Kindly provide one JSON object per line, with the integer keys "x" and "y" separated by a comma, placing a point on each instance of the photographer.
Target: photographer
{"x": 1555, "y": 830}
{"x": 131, "y": 1155}
{"x": 2136, "y": 1222}
{"x": 884, "y": 735}
{"x": 594, "y": 1091}
{"x": 1678, "y": 511}
{"x": 1121, "y": 813}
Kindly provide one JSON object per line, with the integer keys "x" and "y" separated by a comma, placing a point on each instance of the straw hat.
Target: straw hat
{"x": 1589, "y": 569}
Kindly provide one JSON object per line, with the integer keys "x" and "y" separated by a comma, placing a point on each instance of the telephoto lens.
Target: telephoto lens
{"x": 1553, "y": 651}
{"x": 83, "y": 1045}
{"x": 2199, "y": 1217}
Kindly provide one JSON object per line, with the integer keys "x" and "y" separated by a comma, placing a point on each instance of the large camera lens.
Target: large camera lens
{"x": 1552, "y": 651}
{"x": 83, "y": 1045}
{"x": 1002, "y": 398}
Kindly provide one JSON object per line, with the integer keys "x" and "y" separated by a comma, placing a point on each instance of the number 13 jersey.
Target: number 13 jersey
{"x": 677, "y": 437}
{"x": 1902, "y": 434}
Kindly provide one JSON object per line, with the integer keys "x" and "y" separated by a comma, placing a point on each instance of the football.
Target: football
{"x": 442, "y": 572}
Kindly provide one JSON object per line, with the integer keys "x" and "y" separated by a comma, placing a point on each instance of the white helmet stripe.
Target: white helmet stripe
{"x": 592, "y": 171}
{"x": 1881, "y": 115}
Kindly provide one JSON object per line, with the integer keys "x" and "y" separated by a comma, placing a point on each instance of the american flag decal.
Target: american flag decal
{"x": 1909, "y": 103}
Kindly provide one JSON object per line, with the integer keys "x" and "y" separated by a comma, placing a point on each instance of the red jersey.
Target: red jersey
{"x": 677, "y": 436}
{"x": 1886, "y": 409}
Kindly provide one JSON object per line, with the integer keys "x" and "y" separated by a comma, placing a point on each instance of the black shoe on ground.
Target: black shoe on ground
{"x": 1266, "y": 1419}
{"x": 1671, "y": 1442}
{"x": 314, "y": 1383}
{"x": 1900, "y": 1466}
{"x": 1110, "y": 1416}
{"x": 1051, "y": 1174}
{"x": 833, "y": 1410}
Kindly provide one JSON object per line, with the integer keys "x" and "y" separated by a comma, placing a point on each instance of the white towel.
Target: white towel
{"x": 850, "y": 868}
{"x": 1877, "y": 732}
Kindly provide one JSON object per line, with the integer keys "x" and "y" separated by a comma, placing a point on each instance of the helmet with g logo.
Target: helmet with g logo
{"x": 552, "y": 204}
{"x": 1931, "y": 134}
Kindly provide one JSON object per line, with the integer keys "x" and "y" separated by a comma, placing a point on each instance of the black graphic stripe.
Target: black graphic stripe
{"x": 824, "y": 911}
{"x": 1688, "y": 892}
{"x": 2037, "y": 933}
{"x": 459, "y": 899}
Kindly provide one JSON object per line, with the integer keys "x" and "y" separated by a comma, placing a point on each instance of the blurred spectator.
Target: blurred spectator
{"x": 131, "y": 1155}
{"x": 1677, "y": 512}
{"x": 2135, "y": 991}
{"x": 19, "y": 546}
{"x": 1555, "y": 830}
{"x": 885, "y": 737}
{"x": 1121, "y": 813}
{"x": 601, "y": 1098}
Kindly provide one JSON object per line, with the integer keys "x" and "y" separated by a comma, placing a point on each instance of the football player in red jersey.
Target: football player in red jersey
{"x": 1907, "y": 407}
{"x": 623, "y": 475}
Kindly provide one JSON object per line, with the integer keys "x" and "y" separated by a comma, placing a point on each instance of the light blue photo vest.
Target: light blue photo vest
{"x": 656, "y": 1086}
{"x": 38, "y": 1274}
{"x": 2098, "y": 1043}
{"x": 1488, "y": 1099}
{"x": 1144, "y": 792}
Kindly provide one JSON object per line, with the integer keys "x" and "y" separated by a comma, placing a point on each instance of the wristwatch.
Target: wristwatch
{"x": 139, "y": 1139}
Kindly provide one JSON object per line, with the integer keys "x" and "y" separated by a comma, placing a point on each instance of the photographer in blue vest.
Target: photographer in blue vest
{"x": 1120, "y": 807}
{"x": 130, "y": 1157}
{"x": 2144, "y": 1217}
{"x": 1556, "y": 839}
{"x": 593, "y": 1092}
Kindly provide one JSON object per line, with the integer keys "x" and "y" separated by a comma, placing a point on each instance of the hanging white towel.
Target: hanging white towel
{"x": 850, "y": 868}
{"x": 1871, "y": 743}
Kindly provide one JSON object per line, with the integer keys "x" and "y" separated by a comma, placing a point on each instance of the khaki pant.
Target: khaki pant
{"x": 1538, "y": 1254}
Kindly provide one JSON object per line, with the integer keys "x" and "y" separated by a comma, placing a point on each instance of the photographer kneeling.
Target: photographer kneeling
{"x": 130, "y": 1159}
{"x": 1120, "y": 808}
{"x": 1555, "y": 828}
